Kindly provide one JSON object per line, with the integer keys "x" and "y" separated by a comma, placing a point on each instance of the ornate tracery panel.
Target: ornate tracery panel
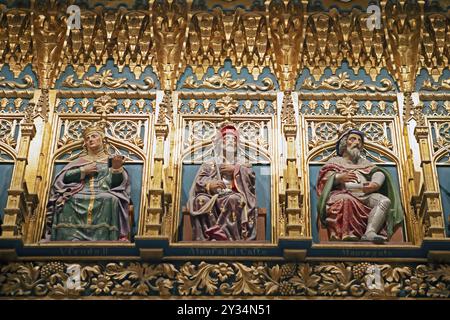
{"x": 436, "y": 111}
{"x": 341, "y": 100}
{"x": 124, "y": 108}
{"x": 198, "y": 124}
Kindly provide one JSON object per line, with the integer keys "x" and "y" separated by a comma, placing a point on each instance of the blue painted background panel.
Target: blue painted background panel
{"x": 6, "y": 170}
{"x": 444, "y": 185}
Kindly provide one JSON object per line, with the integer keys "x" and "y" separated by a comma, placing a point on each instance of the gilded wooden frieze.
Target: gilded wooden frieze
{"x": 308, "y": 280}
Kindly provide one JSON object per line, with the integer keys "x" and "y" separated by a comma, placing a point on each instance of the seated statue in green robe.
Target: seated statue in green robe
{"x": 90, "y": 197}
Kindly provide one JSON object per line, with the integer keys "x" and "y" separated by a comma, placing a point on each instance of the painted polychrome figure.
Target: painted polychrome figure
{"x": 222, "y": 199}
{"x": 90, "y": 196}
{"x": 357, "y": 200}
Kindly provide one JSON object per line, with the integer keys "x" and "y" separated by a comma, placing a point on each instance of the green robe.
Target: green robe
{"x": 93, "y": 212}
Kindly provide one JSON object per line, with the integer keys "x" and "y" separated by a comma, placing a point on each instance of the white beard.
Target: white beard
{"x": 229, "y": 153}
{"x": 354, "y": 153}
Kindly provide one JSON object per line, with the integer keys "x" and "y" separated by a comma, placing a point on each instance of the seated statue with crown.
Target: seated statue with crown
{"x": 90, "y": 196}
{"x": 222, "y": 199}
{"x": 357, "y": 199}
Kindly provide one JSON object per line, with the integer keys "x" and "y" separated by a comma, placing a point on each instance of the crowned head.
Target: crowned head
{"x": 93, "y": 137}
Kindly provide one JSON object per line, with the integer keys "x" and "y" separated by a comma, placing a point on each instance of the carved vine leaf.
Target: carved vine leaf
{"x": 429, "y": 86}
{"x": 192, "y": 279}
{"x": 21, "y": 280}
{"x": 106, "y": 79}
{"x": 337, "y": 279}
{"x": 441, "y": 273}
{"x": 439, "y": 291}
{"x": 272, "y": 285}
{"x": 64, "y": 141}
{"x": 394, "y": 274}
{"x": 88, "y": 272}
{"x": 56, "y": 286}
{"x": 386, "y": 143}
{"x": 142, "y": 276}
{"x": 123, "y": 289}
{"x": 10, "y": 141}
{"x": 27, "y": 83}
{"x": 305, "y": 280}
{"x": 117, "y": 271}
{"x": 247, "y": 280}
{"x": 392, "y": 289}
{"x": 275, "y": 273}
{"x": 137, "y": 141}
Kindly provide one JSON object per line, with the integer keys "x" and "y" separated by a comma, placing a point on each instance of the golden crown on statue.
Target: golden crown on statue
{"x": 94, "y": 127}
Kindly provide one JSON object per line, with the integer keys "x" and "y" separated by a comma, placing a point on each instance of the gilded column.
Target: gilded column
{"x": 295, "y": 225}
{"x": 430, "y": 203}
{"x": 45, "y": 107}
{"x": 155, "y": 211}
{"x": 412, "y": 175}
{"x": 16, "y": 210}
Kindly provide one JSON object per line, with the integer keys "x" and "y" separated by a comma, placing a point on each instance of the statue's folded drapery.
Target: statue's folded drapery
{"x": 344, "y": 212}
{"x": 89, "y": 208}
{"x": 224, "y": 216}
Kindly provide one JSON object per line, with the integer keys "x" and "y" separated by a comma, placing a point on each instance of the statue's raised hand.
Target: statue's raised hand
{"x": 348, "y": 176}
{"x": 370, "y": 187}
{"x": 117, "y": 162}
{"x": 214, "y": 186}
{"x": 90, "y": 168}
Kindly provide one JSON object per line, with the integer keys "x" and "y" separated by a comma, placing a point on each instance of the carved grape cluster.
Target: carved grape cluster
{"x": 287, "y": 289}
{"x": 288, "y": 270}
{"x": 52, "y": 268}
{"x": 360, "y": 269}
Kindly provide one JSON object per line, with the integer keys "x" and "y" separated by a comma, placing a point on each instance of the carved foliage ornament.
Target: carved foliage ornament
{"x": 231, "y": 279}
{"x": 106, "y": 80}
{"x": 225, "y": 81}
{"x": 347, "y": 106}
{"x": 429, "y": 86}
{"x": 105, "y": 105}
{"x": 227, "y": 106}
{"x": 343, "y": 81}
{"x": 27, "y": 82}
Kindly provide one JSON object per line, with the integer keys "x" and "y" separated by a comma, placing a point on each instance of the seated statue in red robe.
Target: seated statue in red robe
{"x": 222, "y": 200}
{"x": 357, "y": 200}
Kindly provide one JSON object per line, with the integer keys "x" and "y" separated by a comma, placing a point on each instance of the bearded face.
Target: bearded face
{"x": 354, "y": 146}
{"x": 229, "y": 146}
